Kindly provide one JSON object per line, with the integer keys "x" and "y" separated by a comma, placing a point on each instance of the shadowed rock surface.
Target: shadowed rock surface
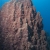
{"x": 21, "y": 27}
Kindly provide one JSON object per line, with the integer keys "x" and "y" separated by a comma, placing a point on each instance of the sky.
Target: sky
{"x": 42, "y": 6}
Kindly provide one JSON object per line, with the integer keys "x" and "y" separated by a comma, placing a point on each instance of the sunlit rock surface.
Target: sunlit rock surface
{"x": 21, "y": 27}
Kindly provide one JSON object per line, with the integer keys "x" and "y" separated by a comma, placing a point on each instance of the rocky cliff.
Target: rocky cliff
{"x": 21, "y": 27}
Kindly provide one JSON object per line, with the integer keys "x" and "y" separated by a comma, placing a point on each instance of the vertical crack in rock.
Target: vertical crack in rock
{"x": 21, "y": 27}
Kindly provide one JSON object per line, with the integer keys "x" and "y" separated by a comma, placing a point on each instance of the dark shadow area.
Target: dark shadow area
{"x": 1, "y": 40}
{"x": 30, "y": 33}
{"x": 33, "y": 48}
{"x": 48, "y": 40}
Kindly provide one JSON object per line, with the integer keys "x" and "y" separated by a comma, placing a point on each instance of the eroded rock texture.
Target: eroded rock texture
{"x": 22, "y": 27}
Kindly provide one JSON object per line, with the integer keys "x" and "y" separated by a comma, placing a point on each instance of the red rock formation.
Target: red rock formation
{"x": 22, "y": 27}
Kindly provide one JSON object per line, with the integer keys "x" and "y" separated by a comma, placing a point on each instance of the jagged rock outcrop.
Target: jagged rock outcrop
{"x": 22, "y": 27}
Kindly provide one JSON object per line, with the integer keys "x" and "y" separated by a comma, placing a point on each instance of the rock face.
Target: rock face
{"x": 22, "y": 27}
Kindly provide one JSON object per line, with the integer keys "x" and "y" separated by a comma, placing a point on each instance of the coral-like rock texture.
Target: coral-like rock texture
{"x": 21, "y": 27}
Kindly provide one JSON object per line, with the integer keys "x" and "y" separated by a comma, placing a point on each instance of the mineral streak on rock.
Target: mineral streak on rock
{"x": 22, "y": 27}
